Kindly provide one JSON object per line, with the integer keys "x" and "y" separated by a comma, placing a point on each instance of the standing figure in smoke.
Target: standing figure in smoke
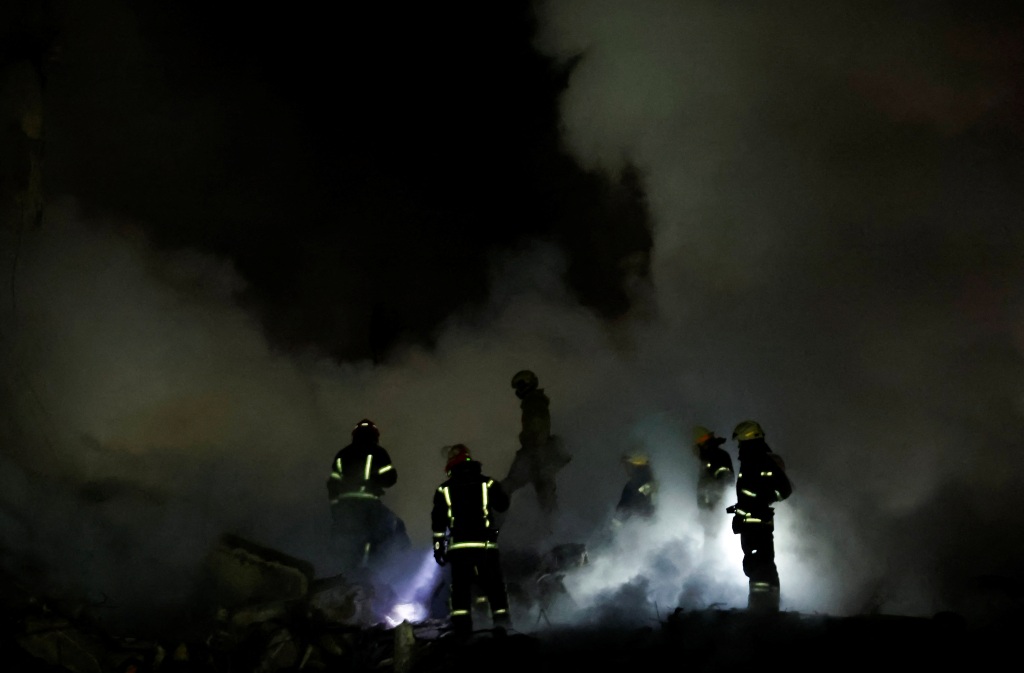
{"x": 637, "y": 500}
{"x": 715, "y": 478}
{"x": 466, "y": 535}
{"x": 540, "y": 455}
{"x": 761, "y": 483}
{"x": 363, "y": 530}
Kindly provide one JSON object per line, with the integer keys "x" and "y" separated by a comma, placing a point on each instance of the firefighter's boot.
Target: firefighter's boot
{"x": 502, "y": 621}
{"x": 462, "y": 624}
{"x": 763, "y": 597}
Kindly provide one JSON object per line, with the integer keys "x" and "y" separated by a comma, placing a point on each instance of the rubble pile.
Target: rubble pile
{"x": 263, "y": 611}
{"x": 266, "y": 612}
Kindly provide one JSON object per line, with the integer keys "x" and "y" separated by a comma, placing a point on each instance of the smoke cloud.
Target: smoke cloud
{"x": 835, "y": 256}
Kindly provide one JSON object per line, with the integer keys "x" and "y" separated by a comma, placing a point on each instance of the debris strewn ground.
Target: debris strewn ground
{"x": 267, "y": 613}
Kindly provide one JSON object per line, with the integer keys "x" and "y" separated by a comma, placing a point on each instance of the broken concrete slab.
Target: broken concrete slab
{"x": 240, "y": 572}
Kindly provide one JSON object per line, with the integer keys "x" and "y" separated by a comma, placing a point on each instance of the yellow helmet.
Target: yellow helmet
{"x": 701, "y": 434}
{"x": 636, "y": 458}
{"x": 747, "y": 430}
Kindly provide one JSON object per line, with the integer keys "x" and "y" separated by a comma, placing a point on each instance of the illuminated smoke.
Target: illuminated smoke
{"x": 413, "y": 589}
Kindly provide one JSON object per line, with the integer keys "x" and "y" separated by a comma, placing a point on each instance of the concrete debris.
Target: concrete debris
{"x": 243, "y": 573}
{"x": 281, "y": 652}
{"x": 336, "y": 600}
{"x": 405, "y": 642}
{"x": 267, "y": 613}
{"x": 59, "y": 643}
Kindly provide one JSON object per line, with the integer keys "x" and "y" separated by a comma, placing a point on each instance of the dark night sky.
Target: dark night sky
{"x": 263, "y": 226}
{"x": 314, "y": 150}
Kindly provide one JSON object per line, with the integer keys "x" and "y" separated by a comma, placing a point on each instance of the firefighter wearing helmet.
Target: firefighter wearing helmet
{"x": 363, "y": 529}
{"x": 540, "y": 455}
{"x": 761, "y": 482}
{"x": 466, "y": 538}
{"x": 637, "y": 499}
{"x": 714, "y": 478}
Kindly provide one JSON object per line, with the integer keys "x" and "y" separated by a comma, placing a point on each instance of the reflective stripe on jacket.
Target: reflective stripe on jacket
{"x": 464, "y": 507}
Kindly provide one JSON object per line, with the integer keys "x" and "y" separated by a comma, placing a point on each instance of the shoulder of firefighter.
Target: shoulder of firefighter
{"x": 361, "y": 472}
{"x": 718, "y": 464}
{"x": 638, "y": 489}
{"x": 637, "y": 498}
{"x": 462, "y": 515}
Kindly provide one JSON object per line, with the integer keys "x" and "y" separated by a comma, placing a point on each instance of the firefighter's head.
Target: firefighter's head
{"x": 365, "y": 432}
{"x": 636, "y": 459}
{"x": 524, "y": 382}
{"x": 703, "y": 437}
{"x": 748, "y": 430}
{"x": 455, "y": 454}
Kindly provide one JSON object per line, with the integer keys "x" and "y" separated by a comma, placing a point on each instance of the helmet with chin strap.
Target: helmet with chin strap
{"x": 703, "y": 437}
{"x": 747, "y": 430}
{"x": 524, "y": 382}
{"x": 457, "y": 453}
{"x": 365, "y": 431}
{"x": 636, "y": 458}
{"x": 702, "y": 434}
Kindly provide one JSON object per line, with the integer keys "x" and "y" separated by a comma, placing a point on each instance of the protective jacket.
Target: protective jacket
{"x": 464, "y": 507}
{"x": 637, "y": 498}
{"x": 360, "y": 470}
{"x": 762, "y": 482}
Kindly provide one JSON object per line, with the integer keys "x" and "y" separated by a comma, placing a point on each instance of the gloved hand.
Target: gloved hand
{"x": 439, "y": 554}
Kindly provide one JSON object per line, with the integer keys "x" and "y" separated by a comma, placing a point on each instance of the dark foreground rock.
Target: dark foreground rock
{"x": 699, "y": 641}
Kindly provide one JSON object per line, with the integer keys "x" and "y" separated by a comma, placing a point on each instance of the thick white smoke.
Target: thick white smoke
{"x": 834, "y": 256}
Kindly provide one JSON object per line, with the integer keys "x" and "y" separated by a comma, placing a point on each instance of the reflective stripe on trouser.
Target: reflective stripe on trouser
{"x": 763, "y": 597}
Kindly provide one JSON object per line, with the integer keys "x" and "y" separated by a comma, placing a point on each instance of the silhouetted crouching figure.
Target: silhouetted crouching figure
{"x": 466, "y": 536}
{"x": 761, "y": 483}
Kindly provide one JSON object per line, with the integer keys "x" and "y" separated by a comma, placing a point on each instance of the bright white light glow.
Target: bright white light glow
{"x": 413, "y": 591}
{"x": 412, "y": 612}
